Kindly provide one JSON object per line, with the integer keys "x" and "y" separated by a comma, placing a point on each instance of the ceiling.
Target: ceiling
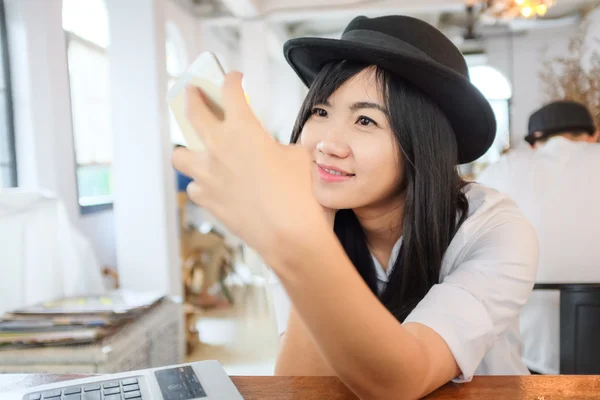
{"x": 328, "y": 18}
{"x": 326, "y": 13}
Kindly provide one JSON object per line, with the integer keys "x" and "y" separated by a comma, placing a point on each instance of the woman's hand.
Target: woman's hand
{"x": 259, "y": 189}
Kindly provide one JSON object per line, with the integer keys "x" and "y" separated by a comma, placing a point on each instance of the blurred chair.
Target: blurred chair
{"x": 579, "y": 327}
{"x": 42, "y": 256}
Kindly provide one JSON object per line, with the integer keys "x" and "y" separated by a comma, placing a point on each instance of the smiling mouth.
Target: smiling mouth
{"x": 335, "y": 172}
{"x": 330, "y": 175}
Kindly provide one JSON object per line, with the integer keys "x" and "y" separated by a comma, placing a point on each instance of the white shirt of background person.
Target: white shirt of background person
{"x": 555, "y": 186}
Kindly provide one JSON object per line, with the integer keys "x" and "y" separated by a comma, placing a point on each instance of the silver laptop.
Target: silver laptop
{"x": 203, "y": 380}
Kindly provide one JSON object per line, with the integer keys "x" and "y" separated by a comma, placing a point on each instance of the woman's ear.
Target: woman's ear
{"x": 595, "y": 137}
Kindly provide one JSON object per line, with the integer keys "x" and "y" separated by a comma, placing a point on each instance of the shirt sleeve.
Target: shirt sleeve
{"x": 483, "y": 295}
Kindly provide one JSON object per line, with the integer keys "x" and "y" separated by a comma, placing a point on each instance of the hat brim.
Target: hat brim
{"x": 469, "y": 113}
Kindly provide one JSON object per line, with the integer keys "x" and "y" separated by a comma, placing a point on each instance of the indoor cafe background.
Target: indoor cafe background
{"x": 84, "y": 118}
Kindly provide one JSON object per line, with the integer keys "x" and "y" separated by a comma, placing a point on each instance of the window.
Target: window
{"x": 497, "y": 90}
{"x": 8, "y": 166}
{"x": 86, "y": 27}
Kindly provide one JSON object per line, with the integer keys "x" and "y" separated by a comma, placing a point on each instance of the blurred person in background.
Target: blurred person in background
{"x": 555, "y": 182}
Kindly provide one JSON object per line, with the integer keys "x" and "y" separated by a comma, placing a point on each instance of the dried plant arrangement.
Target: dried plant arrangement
{"x": 575, "y": 76}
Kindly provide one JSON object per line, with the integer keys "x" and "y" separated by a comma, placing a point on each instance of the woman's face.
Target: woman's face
{"x": 356, "y": 162}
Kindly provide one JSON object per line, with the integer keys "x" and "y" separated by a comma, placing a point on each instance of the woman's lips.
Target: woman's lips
{"x": 331, "y": 174}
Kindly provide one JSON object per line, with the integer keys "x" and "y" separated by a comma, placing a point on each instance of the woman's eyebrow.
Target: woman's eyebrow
{"x": 367, "y": 104}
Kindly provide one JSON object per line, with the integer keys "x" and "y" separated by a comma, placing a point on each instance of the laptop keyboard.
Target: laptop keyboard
{"x": 126, "y": 389}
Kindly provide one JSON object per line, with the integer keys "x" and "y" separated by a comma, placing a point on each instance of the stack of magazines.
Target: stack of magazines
{"x": 73, "y": 320}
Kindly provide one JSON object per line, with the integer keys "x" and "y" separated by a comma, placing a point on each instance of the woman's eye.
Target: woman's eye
{"x": 319, "y": 112}
{"x": 366, "y": 121}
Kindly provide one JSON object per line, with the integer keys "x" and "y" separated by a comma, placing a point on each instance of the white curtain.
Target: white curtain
{"x": 42, "y": 256}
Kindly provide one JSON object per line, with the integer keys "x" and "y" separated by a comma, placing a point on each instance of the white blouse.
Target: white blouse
{"x": 487, "y": 274}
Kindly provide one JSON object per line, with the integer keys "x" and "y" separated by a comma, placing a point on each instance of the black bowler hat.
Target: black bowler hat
{"x": 420, "y": 54}
{"x": 558, "y": 117}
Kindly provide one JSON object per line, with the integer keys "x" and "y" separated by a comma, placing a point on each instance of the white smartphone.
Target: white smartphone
{"x": 207, "y": 74}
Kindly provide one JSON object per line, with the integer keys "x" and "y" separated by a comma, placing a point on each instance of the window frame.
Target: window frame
{"x": 10, "y": 122}
{"x": 92, "y": 208}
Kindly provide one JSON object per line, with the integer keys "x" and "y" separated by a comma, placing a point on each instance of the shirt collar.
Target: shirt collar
{"x": 382, "y": 274}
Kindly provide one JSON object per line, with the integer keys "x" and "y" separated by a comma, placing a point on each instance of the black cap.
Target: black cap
{"x": 558, "y": 117}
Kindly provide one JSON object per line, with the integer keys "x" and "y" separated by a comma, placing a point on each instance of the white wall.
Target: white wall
{"x": 520, "y": 59}
{"x": 221, "y": 41}
{"x": 144, "y": 181}
{"x": 188, "y": 28}
{"x": 594, "y": 32}
{"x": 287, "y": 94}
{"x": 99, "y": 228}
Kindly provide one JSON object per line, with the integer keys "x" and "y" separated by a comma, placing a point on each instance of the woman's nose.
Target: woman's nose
{"x": 333, "y": 144}
{"x": 333, "y": 148}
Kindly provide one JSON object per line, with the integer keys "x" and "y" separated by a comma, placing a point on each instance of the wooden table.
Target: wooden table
{"x": 321, "y": 388}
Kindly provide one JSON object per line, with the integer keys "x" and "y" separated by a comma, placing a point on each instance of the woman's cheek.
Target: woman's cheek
{"x": 306, "y": 138}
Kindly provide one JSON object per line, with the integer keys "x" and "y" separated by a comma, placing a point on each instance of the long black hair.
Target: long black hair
{"x": 435, "y": 204}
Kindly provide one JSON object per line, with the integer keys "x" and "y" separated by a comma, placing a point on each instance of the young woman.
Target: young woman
{"x": 401, "y": 276}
